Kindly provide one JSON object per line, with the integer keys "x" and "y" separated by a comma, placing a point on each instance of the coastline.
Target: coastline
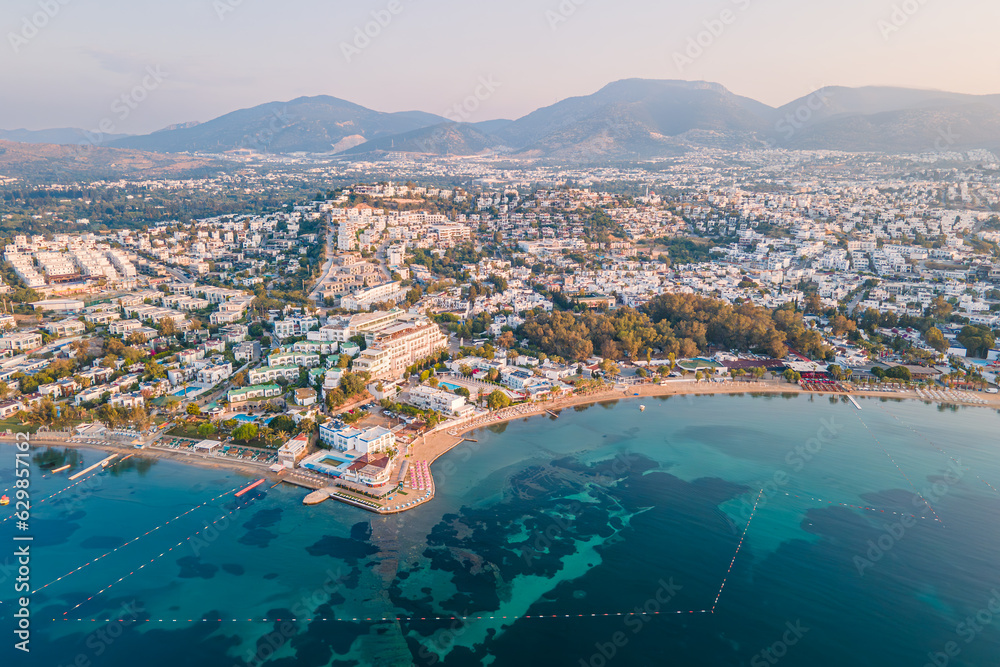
{"x": 438, "y": 444}
{"x": 430, "y": 448}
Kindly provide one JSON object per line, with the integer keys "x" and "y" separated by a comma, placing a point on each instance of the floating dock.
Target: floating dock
{"x": 65, "y": 467}
{"x": 251, "y": 487}
{"x": 853, "y": 401}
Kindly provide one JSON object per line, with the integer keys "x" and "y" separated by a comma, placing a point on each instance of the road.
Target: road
{"x": 315, "y": 294}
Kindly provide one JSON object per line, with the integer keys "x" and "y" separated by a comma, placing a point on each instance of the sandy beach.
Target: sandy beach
{"x": 431, "y": 447}
{"x": 437, "y": 444}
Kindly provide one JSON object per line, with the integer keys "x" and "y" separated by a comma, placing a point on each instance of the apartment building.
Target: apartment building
{"x": 445, "y": 402}
{"x": 294, "y": 326}
{"x": 398, "y": 346}
{"x": 366, "y": 298}
{"x": 368, "y": 441}
{"x": 64, "y": 328}
{"x": 268, "y": 374}
{"x": 19, "y": 342}
{"x": 253, "y": 393}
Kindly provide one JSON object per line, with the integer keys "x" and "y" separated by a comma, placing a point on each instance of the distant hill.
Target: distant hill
{"x": 63, "y": 163}
{"x": 61, "y": 135}
{"x": 441, "y": 139}
{"x": 307, "y": 124}
{"x": 940, "y": 129}
{"x": 632, "y": 118}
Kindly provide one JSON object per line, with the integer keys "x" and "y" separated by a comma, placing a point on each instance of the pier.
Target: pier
{"x": 851, "y": 398}
{"x": 96, "y": 465}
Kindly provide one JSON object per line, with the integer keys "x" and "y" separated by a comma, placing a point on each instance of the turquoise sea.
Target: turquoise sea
{"x": 841, "y": 538}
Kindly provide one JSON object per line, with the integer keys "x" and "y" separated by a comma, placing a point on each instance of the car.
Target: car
{"x": 388, "y": 413}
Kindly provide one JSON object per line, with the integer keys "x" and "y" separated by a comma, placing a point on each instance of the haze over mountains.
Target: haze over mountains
{"x": 625, "y": 119}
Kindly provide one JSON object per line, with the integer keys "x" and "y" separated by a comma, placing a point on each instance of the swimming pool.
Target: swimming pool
{"x": 449, "y": 386}
{"x": 329, "y": 463}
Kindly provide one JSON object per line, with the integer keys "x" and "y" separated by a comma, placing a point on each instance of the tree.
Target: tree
{"x": 4, "y": 390}
{"x": 813, "y": 303}
{"x": 977, "y": 340}
{"x": 506, "y": 340}
{"x": 334, "y": 399}
{"x": 352, "y": 384}
{"x": 167, "y": 327}
{"x": 240, "y": 379}
{"x": 193, "y": 409}
{"x": 899, "y": 373}
{"x": 610, "y": 368}
{"x": 498, "y": 400}
{"x": 936, "y": 339}
{"x": 155, "y": 370}
{"x": 282, "y": 423}
{"x": 245, "y": 432}
{"x": 344, "y": 361}
{"x": 940, "y": 308}
{"x": 841, "y": 325}
{"x": 206, "y": 429}
{"x": 136, "y": 338}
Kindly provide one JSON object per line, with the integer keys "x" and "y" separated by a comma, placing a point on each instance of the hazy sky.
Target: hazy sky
{"x": 215, "y": 56}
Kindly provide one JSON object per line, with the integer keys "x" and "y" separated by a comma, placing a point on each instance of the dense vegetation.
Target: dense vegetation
{"x": 680, "y": 324}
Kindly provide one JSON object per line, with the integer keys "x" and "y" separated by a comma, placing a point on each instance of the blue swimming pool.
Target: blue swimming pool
{"x": 449, "y": 386}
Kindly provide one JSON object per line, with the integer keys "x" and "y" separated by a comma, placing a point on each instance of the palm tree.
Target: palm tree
{"x": 281, "y": 436}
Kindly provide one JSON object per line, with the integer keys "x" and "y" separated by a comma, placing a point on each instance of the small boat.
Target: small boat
{"x": 4, "y": 500}
{"x": 642, "y": 408}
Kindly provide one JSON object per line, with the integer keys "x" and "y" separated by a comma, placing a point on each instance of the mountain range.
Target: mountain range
{"x": 629, "y": 118}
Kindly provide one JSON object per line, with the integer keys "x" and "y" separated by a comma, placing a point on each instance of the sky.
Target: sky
{"x": 135, "y": 66}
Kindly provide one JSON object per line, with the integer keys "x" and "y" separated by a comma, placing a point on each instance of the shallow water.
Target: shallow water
{"x": 603, "y": 511}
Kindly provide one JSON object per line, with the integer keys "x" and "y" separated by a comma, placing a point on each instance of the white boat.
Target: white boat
{"x": 642, "y": 408}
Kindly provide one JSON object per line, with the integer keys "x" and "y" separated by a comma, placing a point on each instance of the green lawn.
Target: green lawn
{"x": 16, "y": 426}
{"x": 184, "y": 430}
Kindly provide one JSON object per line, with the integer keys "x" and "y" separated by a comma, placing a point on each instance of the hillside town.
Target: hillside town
{"x": 326, "y": 340}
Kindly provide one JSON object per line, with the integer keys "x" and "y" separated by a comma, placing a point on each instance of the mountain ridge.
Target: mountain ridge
{"x": 640, "y": 118}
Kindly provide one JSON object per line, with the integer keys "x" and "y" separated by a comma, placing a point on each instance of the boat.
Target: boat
{"x": 642, "y": 408}
{"x": 4, "y": 500}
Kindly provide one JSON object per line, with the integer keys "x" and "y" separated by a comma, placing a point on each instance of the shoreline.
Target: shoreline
{"x": 430, "y": 448}
{"x": 440, "y": 443}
